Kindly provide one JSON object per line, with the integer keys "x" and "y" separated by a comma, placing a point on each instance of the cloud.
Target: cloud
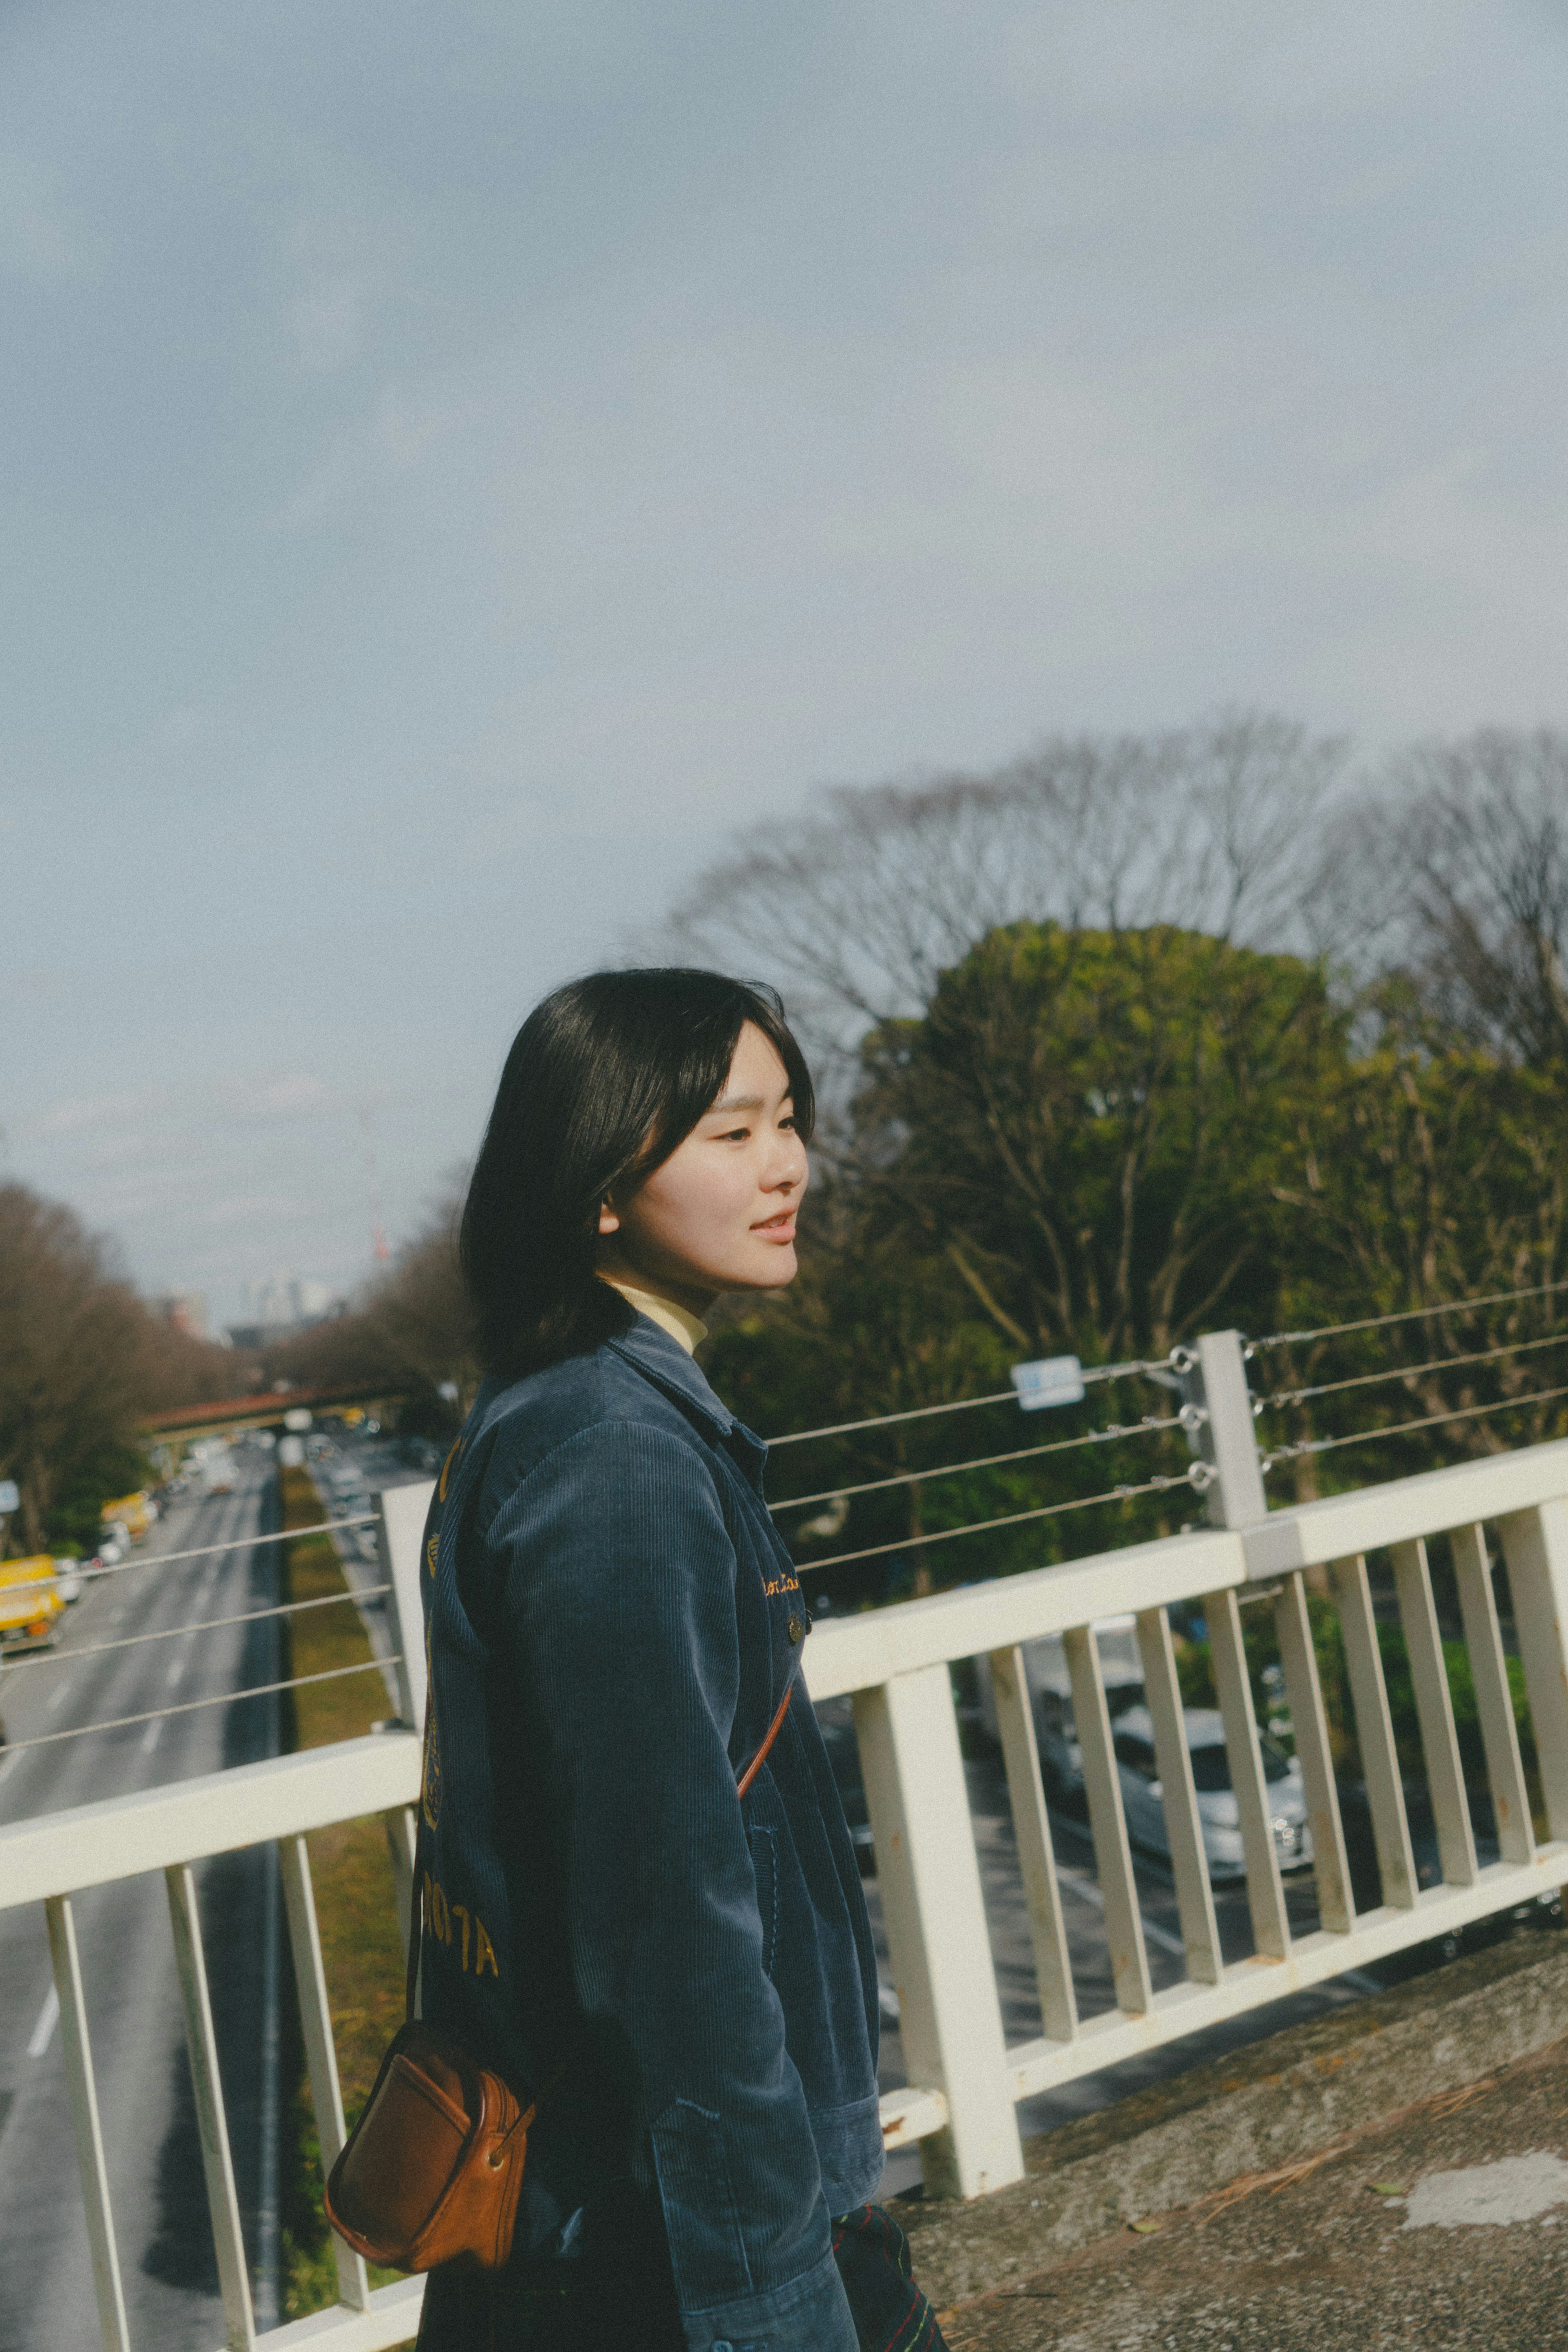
{"x": 80, "y": 1114}
{"x": 298, "y": 1094}
{"x": 400, "y": 430}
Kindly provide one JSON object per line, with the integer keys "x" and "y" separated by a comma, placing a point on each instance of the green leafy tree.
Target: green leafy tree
{"x": 1089, "y": 1125}
{"x": 1428, "y": 1169}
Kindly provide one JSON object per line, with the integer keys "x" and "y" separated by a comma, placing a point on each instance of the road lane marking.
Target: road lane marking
{"x": 150, "y": 1735}
{"x": 176, "y": 1673}
{"x": 7, "y": 1762}
{"x": 1091, "y": 1894}
{"x": 44, "y": 2031}
{"x": 59, "y": 1697}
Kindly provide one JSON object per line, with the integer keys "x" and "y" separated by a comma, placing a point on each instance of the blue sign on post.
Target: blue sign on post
{"x": 10, "y": 1497}
{"x": 1053, "y": 1379}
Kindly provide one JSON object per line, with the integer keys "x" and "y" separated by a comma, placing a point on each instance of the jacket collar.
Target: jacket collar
{"x": 663, "y": 1360}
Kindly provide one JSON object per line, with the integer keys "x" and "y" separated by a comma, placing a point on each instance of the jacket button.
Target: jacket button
{"x": 797, "y": 1628}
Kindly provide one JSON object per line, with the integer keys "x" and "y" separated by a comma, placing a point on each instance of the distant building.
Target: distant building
{"x": 283, "y": 1306}
{"x": 187, "y": 1310}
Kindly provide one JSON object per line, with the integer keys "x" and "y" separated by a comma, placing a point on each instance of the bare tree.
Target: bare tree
{"x": 177, "y": 1368}
{"x": 1484, "y": 828}
{"x": 413, "y": 1330}
{"x": 884, "y": 886}
{"x": 71, "y": 1365}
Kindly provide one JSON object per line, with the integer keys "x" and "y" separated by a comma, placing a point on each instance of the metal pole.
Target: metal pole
{"x": 1218, "y": 1409}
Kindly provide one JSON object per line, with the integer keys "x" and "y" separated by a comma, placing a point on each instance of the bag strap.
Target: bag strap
{"x": 774, "y": 1728}
{"x": 415, "y": 1903}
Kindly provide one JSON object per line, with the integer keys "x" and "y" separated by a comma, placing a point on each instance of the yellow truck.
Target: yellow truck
{"x": 30, "y": 1602}
{"x": 132, "y": 1513}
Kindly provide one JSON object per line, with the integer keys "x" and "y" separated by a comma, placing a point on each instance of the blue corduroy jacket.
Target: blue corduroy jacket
{"x": 611, "y": 1622}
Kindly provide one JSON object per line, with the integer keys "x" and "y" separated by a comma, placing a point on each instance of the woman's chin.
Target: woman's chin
{"x": 780, "y": 1266}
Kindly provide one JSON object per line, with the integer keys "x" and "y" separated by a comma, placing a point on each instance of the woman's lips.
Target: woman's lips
{"x": 778, "y": 1229}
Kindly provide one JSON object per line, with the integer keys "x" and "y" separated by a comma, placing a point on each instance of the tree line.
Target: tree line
{"x": 1136, "y": 1037}
{"x": 1144, "y": 1037}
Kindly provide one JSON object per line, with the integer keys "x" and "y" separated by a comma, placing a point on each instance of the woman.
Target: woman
{"x": 682, "y": 1971}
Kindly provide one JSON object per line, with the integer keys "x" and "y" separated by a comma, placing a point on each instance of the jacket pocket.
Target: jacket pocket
{"x": 764, "y": 1844}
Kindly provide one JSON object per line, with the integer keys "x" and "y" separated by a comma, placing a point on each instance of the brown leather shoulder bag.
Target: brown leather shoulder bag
{"x": 434, "y": 2168}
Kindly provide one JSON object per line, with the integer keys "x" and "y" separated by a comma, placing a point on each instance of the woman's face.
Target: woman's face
{"x": 719, "y": 1215}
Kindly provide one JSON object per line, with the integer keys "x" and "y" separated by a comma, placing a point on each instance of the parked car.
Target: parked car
{"x": 1121, "y": 1675}
{"x": 1050, "y": 1688}
{"x": 1142, "y": 1795}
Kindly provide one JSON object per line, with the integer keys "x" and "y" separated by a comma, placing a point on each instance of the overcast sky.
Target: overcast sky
{"x": 460, "y": 462}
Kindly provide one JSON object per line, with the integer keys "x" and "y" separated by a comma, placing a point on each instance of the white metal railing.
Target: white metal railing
{"x": 965, "y": 2081}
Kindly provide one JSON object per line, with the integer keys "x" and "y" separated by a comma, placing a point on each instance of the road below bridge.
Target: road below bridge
{"x": 128, "y": 1962}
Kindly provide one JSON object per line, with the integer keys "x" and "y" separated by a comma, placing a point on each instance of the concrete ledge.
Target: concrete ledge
{"x": 1255, "y": 2109}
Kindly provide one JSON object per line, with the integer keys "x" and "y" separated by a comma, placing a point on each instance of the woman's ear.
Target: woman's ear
{"x": 609, "y": 1222}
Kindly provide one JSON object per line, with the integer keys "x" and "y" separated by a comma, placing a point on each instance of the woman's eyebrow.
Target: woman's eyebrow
{"x": 737, "y": 1102}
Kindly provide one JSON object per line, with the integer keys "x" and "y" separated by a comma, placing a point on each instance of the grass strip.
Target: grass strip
{"x": 356, "y": 1910}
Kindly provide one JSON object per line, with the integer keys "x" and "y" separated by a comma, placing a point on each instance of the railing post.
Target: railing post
{"x": 1309, "y": 1724}
{"x": 1265, "y": 1894}
{"x": 1037, "y": 1857}
{"x": 950, "y": 2018}
{"x": 402, "y": 1833}
{"x": 218, "y": 2160}
{"x": 1535, "y": 1546}
{"x": 1226, "y": 1437}
{"x": 1183, "y": 1827}
{"x": 320, "y": 2054}
{"x": 1435, "y": 1710}
{"x": 1374, "y": 1731}
{"x": 400, "y": 1513}
{"x": 1494, "y": 1699}
{"x": 83, "y": 2090}
{"x": 1108, "y": 1822}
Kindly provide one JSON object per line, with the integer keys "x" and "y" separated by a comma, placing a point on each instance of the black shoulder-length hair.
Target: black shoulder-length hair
{"x": 603, "y": 1080}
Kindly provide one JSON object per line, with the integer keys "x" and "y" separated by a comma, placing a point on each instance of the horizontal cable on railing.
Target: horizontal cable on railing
{"x": 202, "y": 1625}
{"x": 189, "y": 1705}
{"x": 1411, "y": 1371}
{"x": 1407, "y": 1315}
{"x": 1401, "y": 1428}
{"x": 1199, "y": 1477}
{"x": 200, "y": 1552}
{"x": 983, "y": 1461}
{"x": 1090, "y": 1374}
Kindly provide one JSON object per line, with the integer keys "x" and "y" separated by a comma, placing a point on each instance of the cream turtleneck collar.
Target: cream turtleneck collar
{"x": 678, "y": 1321}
